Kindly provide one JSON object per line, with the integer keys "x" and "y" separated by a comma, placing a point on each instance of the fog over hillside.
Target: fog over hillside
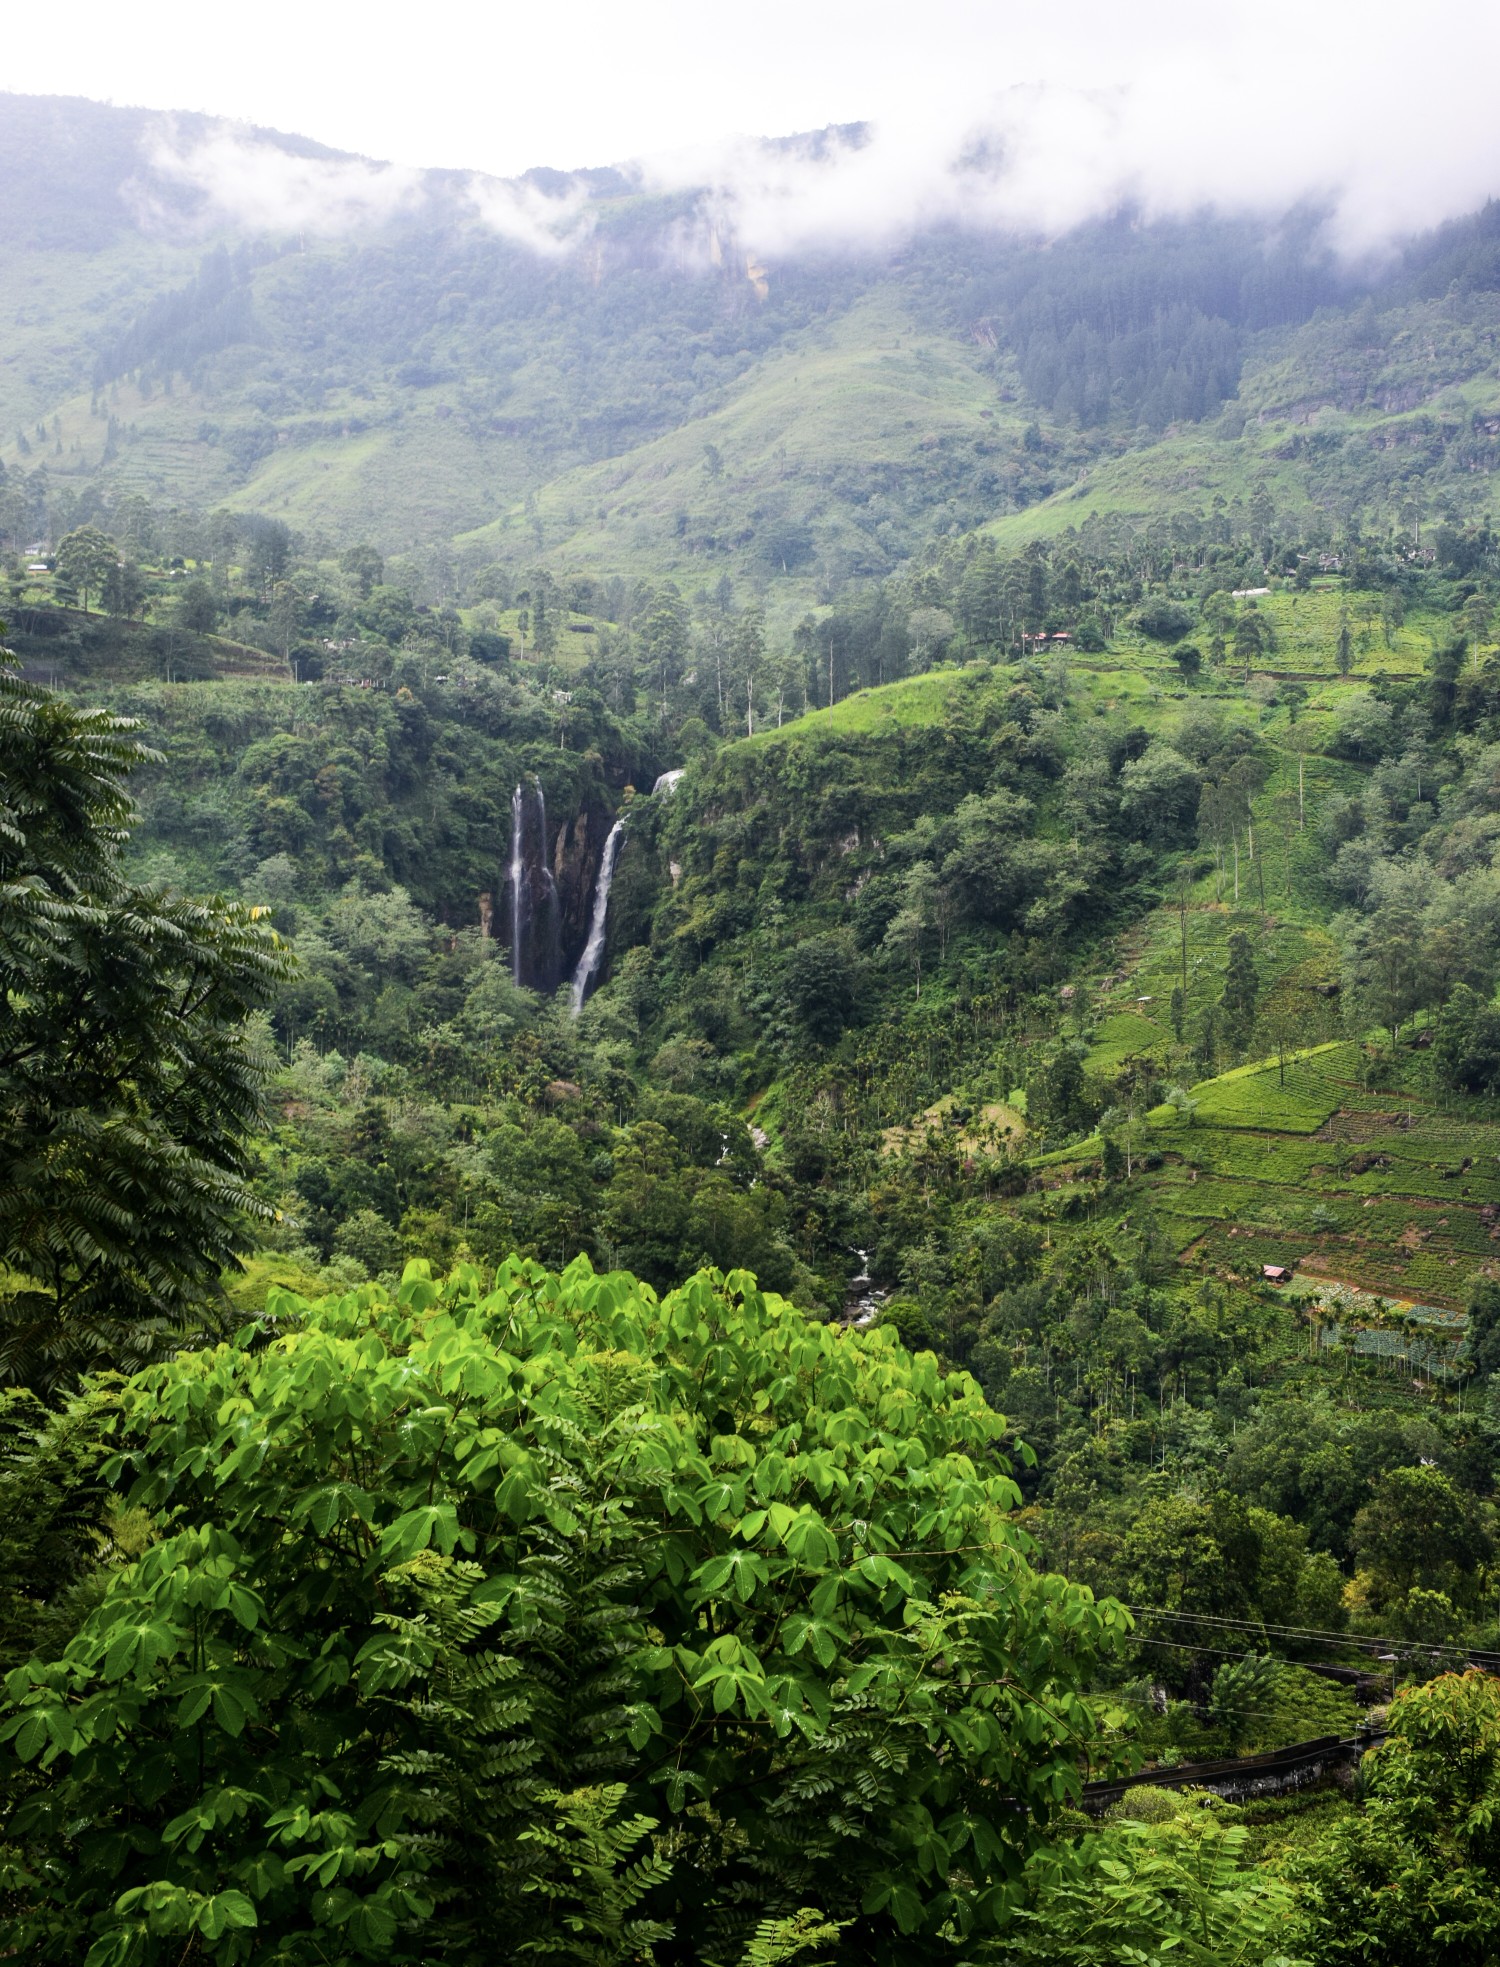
{"x": 767, "y": 357}
{"x": 991, "y": 115}
{"x": 1030, "y": 161}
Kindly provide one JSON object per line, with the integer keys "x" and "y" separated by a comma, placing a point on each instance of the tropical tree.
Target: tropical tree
{"x": 1343, "y": 656}
{"x": 1241, "y": 990}
{"x": 747, "y": 655}
{"x": 1387, "y": 962}
{"x": 662, "y": 635}
{"x": 1186, "y": 1890}
{"x": 456, "y": 1596}
{"x": 909, "y": 928}
{"x": 1420, "y": 1531}
{"x": 1251, "y": 639}
{"x": 130, "y": 1087}
{"x": 1189, "y": 660}
{"x": 85, "y": 558}
{"x": 1415, "y": 1874}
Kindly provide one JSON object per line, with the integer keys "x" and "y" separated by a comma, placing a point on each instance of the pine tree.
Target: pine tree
{"x": 1344, "y": 654}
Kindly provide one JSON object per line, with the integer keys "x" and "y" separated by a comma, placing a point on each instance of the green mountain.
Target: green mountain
{"x": 643, "y": 396}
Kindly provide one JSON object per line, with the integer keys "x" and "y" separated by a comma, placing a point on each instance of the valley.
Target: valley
{"x": 823, "y": 936}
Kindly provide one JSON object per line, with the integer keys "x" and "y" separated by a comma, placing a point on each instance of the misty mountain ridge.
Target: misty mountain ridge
{"x": 586, "y": 369}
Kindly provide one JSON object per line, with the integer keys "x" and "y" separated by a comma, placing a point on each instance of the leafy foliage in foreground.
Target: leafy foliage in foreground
{"x": 128, "y": 1091}
{"x": 1181, "y": 1891}
{"x": 1416, "y": 1875}
{"x": 458, "y": 1597}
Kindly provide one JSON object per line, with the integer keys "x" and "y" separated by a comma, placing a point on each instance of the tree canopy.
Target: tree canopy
{"x": 129, "y": 1085}
{"x": 453, "y": 1587}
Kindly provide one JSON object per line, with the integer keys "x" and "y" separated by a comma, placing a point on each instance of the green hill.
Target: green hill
{"x": 656, "y": 401}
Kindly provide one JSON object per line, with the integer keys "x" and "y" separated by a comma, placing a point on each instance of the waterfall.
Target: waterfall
{"x": 593, "y": 949}
{"x": 667, "y": 782}
{"x": 548, "y": 886}
{"x": 535, "y": 907}
{"x": 517, "y": 870}
{"x": 546, "y": 955}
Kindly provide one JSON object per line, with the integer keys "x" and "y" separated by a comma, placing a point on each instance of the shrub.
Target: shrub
{"x": 456, "y": 1597}
{"x": 1163, "y": 621}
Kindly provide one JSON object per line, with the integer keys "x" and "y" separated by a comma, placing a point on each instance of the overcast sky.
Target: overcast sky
{"x": 1388, "y": 112}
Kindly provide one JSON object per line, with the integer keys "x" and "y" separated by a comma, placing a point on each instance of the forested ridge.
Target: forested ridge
{"x": 690, "y": 1227}
{"x": 651, "y": 398}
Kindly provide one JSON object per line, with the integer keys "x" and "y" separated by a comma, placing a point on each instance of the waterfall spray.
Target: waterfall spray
{"x": 593, "y": 949}
{"x": 517, "y": 867}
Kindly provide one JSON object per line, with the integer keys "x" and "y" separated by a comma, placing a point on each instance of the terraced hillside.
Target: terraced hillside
{"x": 1328, "y": 1166}
{"x": 1325, "y": 1153}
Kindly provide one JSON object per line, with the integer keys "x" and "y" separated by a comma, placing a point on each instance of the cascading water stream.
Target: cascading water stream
{"x": 593, "y": 949}
{"x": 517, "y": 872}
{"x": 549, "y": 886}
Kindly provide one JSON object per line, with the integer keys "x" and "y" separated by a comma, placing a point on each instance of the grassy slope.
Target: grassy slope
{"x": 1335, "y": 1162}
{"x": 64, "y": 646}
{"x": 1323, "y": 423}
{"x": 366, "y": 464}
{"x": 52, "y": 302}
{"x": 871, "y": 391}
{"x": 866, "y": 431}
{"x": 1309, "y": 1165}
{"x": 810, "y": 435}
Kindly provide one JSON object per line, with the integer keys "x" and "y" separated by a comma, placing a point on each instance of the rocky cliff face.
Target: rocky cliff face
{"x": 550, "y": 882}
{"x": 576, "y": 856}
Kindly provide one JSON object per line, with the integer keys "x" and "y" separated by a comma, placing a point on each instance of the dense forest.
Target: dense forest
{"x": 756, "y": 1252}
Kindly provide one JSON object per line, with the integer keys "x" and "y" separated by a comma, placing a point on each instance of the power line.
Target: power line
{"x": 1307, "y": 1635}
{"x": 1248, "y": 1625}
{"x": 1182, "y": 1646}
{"x": 1310, "y": 1634}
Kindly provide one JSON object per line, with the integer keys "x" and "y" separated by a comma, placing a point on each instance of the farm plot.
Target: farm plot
{"x": 1313, "y": 1171}
{"x": 1295, "y": 1099}
{"x": 1125, "y": 1035}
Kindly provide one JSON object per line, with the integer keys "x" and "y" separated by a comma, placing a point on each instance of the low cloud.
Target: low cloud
{"x": 251, "y": 181}
{"x": 245, "y": 178}
{"x": 1382, "y": 121}
{"x": 1042, "y": 160}
{"x": 546, "y": 222}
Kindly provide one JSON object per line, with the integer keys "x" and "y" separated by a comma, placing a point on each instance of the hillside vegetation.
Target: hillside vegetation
{"x": 830, "y": 1157}
{"x": 654, "y": 401}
